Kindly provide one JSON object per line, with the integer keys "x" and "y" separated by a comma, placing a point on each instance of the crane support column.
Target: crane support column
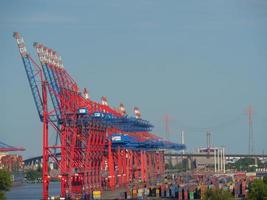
{"x": 45, "y": 143}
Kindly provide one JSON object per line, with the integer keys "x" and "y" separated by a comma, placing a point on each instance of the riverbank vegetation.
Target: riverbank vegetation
{"x": 5, "y": 183}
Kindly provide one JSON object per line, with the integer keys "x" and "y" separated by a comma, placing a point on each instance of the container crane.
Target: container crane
{"x": 87, "y": 131}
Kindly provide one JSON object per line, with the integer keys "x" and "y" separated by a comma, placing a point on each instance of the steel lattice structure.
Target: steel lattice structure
{"x": 97, "y": 142}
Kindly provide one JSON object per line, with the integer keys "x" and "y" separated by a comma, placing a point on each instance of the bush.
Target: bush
{"x": 5, "y": 182}
{"x": 217, "y": 194}
{"x": 258, "y": 190}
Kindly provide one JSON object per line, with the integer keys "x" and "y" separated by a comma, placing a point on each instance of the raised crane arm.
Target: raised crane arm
{"x": 27, "y": 61}
{"x": 47, "y": 58}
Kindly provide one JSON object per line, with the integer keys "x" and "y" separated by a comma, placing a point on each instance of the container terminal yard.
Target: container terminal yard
{"x": 102, "y": 152}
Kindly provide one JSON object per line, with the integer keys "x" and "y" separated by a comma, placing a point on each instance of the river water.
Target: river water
{"x": 32, "y": 191}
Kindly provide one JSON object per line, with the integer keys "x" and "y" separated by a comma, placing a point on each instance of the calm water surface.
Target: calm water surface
{"x": 32, "y": 191}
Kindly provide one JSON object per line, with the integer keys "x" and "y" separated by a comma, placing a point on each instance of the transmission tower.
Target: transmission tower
{"x": 250, "y": 113}
{"x": 166, "y": 119}
{"x": 208, "y": 138}
{"x": 208, "y": 135}
{"x": 182, "y": 139}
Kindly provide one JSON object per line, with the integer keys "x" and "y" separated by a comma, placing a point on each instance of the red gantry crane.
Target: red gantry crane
{"x": 97, "y": 142}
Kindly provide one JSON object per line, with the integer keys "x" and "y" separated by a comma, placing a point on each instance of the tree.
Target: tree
{"x": 5, "y": 182}
{"x": 2, "y": 195}
{"x": 245, "y": 164}
{"x": 33, "y": 175}
{"x": 217, "y": 194}
{"x": 265, "y": 179}
{"x": 258, "y": 190}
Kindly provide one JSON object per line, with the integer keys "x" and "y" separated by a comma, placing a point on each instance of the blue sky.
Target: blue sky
{"x": 201, "y": 62}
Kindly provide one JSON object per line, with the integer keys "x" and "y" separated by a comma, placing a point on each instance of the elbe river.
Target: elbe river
{"x": 32, "y": 191}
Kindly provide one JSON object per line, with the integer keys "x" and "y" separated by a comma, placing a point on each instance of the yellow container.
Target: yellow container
{"x": 97, "y": 194}
{"x": 134, "y": 193}
{"x": 157, "y": 192}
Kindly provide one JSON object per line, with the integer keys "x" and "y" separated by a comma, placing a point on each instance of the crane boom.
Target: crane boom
{"x": 30, "y": 74}
{"x": 45, "y": 56}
